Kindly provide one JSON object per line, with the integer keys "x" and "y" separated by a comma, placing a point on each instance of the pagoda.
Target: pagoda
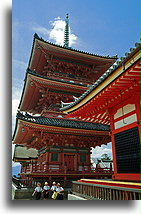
{"x": 58, "y": 75}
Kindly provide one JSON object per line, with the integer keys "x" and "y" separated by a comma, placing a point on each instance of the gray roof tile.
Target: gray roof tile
{"x": 67, "y": 123}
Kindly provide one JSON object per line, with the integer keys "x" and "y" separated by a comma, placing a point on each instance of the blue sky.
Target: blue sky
{"x": 104, "y": 27}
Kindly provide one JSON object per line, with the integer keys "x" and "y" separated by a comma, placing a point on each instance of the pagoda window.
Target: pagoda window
{"x": 54, "y": 157}
{"x": 82, "y": 158}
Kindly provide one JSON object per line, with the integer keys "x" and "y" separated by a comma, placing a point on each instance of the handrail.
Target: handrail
{"x": 44, "y": 168}
{"x": 104, "y": 192}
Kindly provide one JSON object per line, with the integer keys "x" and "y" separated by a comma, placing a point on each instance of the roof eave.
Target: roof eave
{"x": 36, "y": 37}
{"x": 98, "y": 82}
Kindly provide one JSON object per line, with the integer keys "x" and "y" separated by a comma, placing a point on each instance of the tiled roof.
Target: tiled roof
{"x": 67, "y": 123}
{"x": 29, "y": 71}
{"x": 72, "y": 49}
{"x": 103, "y": 77}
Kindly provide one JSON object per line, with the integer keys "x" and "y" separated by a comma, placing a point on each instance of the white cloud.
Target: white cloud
{"x": 98, "y": 151}
{"x": 16, "y": 95}
{"x": 56, "y": 33}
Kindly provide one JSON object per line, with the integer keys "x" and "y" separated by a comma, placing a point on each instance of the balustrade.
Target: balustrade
{"x": 101, "y": 192}
{"x": 45, "y": 168}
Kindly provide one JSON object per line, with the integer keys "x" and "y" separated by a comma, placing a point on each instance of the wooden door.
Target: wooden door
{"x": 69, "y": 162}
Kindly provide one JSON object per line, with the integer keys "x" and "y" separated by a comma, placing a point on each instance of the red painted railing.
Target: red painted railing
{"x": 93, "y": 191}
{"x": 43, "y": 168}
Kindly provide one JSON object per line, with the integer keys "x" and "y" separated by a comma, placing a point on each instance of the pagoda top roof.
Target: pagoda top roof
{"x": 108, "y": 73}
{"x": 43, "y": 50}
{"x": 70, "y": 49}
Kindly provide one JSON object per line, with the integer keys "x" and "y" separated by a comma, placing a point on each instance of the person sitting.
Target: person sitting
{"x": 45, "y": 191}
{"x": 37, "y": 191}
{"x": 53, "y": 188}
{"x": 60, "y": 192}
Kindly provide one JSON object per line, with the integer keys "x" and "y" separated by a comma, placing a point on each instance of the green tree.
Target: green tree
{"x": 105, "y": 157}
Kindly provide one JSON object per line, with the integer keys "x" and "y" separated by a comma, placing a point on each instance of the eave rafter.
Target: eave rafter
{"x": 41, "y": 82}
{"x": 122, "y": 87}
{"x": 39, "y": 92}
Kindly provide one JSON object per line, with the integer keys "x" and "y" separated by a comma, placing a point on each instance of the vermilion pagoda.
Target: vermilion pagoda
{"x": 58, "y": 75}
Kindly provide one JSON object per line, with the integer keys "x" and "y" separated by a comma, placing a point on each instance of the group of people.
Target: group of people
{"x": 57, "y": 191}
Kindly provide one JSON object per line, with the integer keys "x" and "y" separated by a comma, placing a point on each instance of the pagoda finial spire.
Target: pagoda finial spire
{"x": 66, "y": 33}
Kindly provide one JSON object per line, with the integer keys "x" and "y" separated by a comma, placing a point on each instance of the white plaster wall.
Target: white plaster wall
{"x": 127, "y": 120}
{"x": 126, "y": 109}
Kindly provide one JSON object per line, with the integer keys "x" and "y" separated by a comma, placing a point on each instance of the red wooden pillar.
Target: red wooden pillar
{"x": 77, "y": 161}
{"x": 47, "y": 161}
{"x": 61, "y": 160}
{"x": 137, "y": 106}
{"x": 26, "y": 168}
{"x": 89, "y": 162}
{"x": 22, "y": 167}
{"x": 111, "y": 115}
{"x": 50, "y": 180}
{"x": 65, "y": 181}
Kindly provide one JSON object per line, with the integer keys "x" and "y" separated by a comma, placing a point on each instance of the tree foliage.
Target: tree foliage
{"x": 105, "y": 157}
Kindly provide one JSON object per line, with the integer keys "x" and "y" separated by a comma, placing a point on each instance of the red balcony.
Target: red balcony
{"x": 59, "y": 169}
